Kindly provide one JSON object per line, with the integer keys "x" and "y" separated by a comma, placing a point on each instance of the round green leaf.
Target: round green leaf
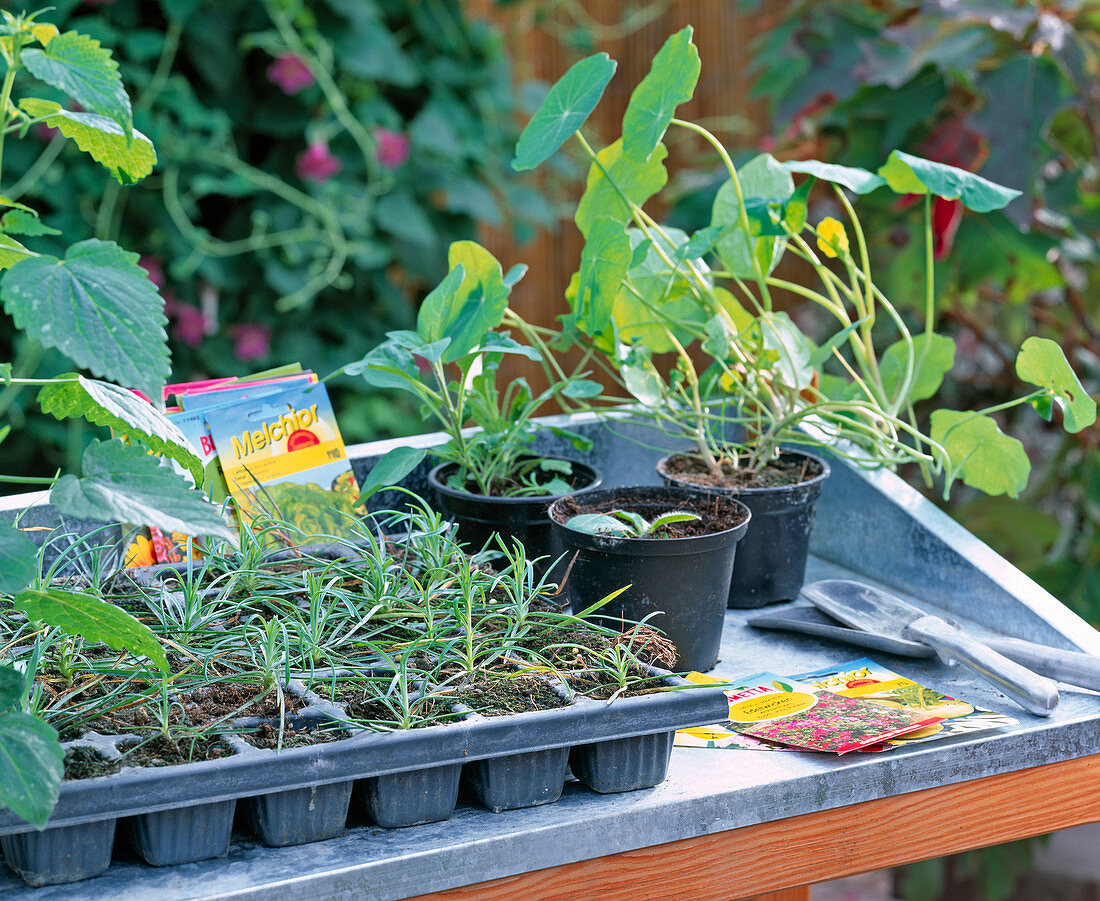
{"x": 933, "y": 357}
{"x": 859, "y": 181}
{"x": 1042, "y": 362}
{"x": 908, "y": 174}
{"x": 98, "y": 307}
{"x": 31, "y": 767}
{"x": 763, "y": 180}
{"x": 604, "y": 193}
{"x": 670, "y": 81}
{"x": 568, "y": 104}
{"x": 979, "y": 453}
{"x": 605, "y": 261}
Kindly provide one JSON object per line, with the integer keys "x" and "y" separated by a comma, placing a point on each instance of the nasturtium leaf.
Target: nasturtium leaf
{"x": 792, "y": 348}
{"x": 124, "y": 483}
{"x": 1042, "y": 362}
{"x": 933, "y": 357}
{"x": 582, "y": 388}
{"x": 127, "y": 159}
{"x": 18, "y": 559}
{"x": 31, "y": 767}
{"x": 980, "y": 454}
{"x": 605, "y": 261}
{"x": 643, "y": 382}
{"x": 11, "y": 252}
{"x": 797, "y": 210}
{"x": 498, "y": 343}
{"x": 391, "y": 469}
{"x": 20, "y": 222}
{"x": 81, "y": 68}
{"x": 859, "y": 181}
{"x": 95, "y": 619}
{"x": 98, "y": 307}
{"x": 604, "y": 193}
{"x": 907, "y": 174}
{"x": 761, "y": 177}
{"x": 701, "y": 243}
{"x": 825, "y": 351}
{"x": 670, "y": 81}
{"x": 567, "y": 105}
{"x": 124, "y": 412}
{"x": 12, "y": 684}
{"x": 513, "y": 275}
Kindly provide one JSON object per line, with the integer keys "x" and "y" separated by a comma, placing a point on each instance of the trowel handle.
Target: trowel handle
{"x": 1033, "y": 692}
{"x": 1072, "y": 667}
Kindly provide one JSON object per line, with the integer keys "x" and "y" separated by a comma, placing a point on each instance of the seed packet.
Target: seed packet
{"x": 283, "y": 457}
{"x": 784, "y": 711}
{"x": 873, "y": 682}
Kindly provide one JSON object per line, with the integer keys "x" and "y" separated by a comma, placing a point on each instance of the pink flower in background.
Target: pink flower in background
{"x": 190, "y": 324}
{"x": 290, "y": 73}
{"x": 316, "y": 163}
{"x": 251, "y": 341}
{"x": 393, "y": 148}
{"x": 154, "y": 270}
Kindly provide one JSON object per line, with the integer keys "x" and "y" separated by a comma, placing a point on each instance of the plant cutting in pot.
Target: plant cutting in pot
{"x": 660, "y": 556}
{"x": 765, "y": 386}
{"x": 489, "y": 480}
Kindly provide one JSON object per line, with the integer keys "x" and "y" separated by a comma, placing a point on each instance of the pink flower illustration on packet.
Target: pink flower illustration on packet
{"x": 290, "y": 73}
{"x": 316, "y": 163}
{"x": 393, "y": 148}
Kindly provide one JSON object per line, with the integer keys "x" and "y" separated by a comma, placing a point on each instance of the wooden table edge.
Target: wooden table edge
{"x": 779, "y": 860}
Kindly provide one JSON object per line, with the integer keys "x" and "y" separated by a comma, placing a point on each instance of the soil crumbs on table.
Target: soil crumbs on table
{"x": 787, "y": 470}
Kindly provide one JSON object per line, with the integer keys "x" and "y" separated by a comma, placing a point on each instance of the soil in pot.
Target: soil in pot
{"x": 83, "y": 762}
{"x": 172, "y": 751}
{"x": 680, "y": 582}
{"x": 771, "y": 561}
{"x": 267, "y": 737}
{"x": 508, "y": 694}
{"x": 479, "y": 516}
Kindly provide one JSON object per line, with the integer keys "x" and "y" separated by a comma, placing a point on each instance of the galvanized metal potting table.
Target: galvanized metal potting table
{"x": 731, "y": 824}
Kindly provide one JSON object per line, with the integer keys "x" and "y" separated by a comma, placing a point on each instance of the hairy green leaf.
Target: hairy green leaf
{"x": 83, "y": 69}
{"x": 94, "y": 619}
{"x": 128, "y": 159}
{"x": 933, "y": 357}
{"x": 1042, "y": 362}
{"x": 612, "y": 173}
{"x": 670, "y": 81}
{"x": 907, "y": 174}
{"x": 31, "y": 767}
{"x": 605, "y": 260}
{"x": 979, "y": 453}
{"x": 18, "y": 559}
{"x": 125, "y": 484}
{"x": 98, "y": 307}
{"x": 124, "y": 412}
{"x": 854, "y": 179}
{"x": 567, "y": 105}
{"x": 20, "y": 222}
{"x": 12, "y": 683}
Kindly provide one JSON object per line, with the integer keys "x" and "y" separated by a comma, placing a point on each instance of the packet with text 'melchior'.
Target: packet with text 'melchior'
{"x": 282, "y": 456}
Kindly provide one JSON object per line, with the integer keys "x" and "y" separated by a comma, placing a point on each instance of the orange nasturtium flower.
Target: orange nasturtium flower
{"x": 832, "y": 239}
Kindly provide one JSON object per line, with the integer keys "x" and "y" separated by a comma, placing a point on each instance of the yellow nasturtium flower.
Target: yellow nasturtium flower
{"x": 831, "y": 237}
{"x": 727, "y": 382}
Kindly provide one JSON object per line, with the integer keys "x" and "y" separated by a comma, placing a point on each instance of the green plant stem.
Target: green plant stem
{"x": 5, "y": 100}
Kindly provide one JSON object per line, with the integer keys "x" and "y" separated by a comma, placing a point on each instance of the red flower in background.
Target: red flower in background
{"x": 155, "y": 270}
{"x": 290, "y": 73}
{"x": 189, "y": 323}
{"x": 251, "y": 341}
{"x": 393, "y": 148}
{"x": 316, "y": 163}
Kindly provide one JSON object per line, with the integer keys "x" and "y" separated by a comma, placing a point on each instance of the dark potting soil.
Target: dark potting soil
{"x": 787, "y": 470}
{"x": 162, "y": 751}
{"x": 364, "y": 707}
{"x": 512, "y": 487}
{"x": 267, "y": 736}
{"x": 510, "y": 694}
{"x": 83, "y": 762}
{"x": 712, "y": 517}
{"x": 214, "y": 702}
{"x": 603, "y": 685}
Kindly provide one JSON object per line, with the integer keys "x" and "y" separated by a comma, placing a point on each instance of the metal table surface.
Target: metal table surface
{"x": 870, "y": 525}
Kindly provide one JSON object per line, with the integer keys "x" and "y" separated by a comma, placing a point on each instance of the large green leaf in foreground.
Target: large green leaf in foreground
{"x": 98, "y": 307}
{"x": 569, "y": 102}
{"x": 122, "y": 411}
{"x": 981, "y": 454}
{"x": 1042, "y": 362}
{"x": 18, "y": 559}
{"x": 96, "y": 620}
{"x": 670, "y": 81}
{"x": 31, "y": 767}
{"x": 124, "y": 483}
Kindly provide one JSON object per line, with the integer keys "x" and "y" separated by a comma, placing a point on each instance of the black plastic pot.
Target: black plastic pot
{"x": 623, "y": 764}
{"x": 61, "y": 855}
{"x": 519, "y": 780}
{"x": 478, "y": 516}
{"x": 680, "y": 584}
{"x": 414, "y": 797}
{"x": 771, "y": 561}
{"x": 301, "y": 815}
{"x": 183, "y": 835}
